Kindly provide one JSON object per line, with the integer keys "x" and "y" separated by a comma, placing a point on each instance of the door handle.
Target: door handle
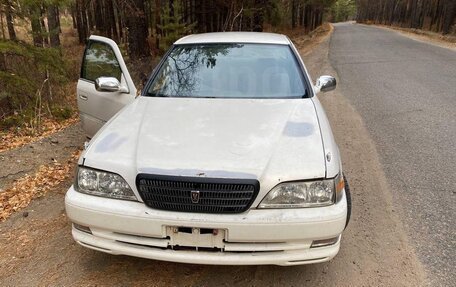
{"x": 83, "y": 97}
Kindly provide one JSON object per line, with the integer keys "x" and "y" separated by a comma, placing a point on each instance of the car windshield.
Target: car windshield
{"x": 229, "y": 71}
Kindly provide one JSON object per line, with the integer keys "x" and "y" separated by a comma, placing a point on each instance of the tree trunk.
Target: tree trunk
{"x": 85, "y": 21}
{"x": 44, "y": 31}
{"x": 258, "y": 18}
{"x": 1, "y": 27}
{"x": 98, "y": 16}
{"x": 203, "y": 16}
{"x": 171, "y": 8}
{"x": 115, "y": 32}
{"x": 36, "y": 26}
{"x": 137, "y": 30}
{"x": 107, "y": 19}
{"x": 157, "y": 24}
{"x": 448, "y": 18}
{"x": 53, "y": 25}
{"x": 293, "y": 14}
{"x": 10, "y": 21}
{"x": 82, "y": 30}
{"x": 73, "y": 16}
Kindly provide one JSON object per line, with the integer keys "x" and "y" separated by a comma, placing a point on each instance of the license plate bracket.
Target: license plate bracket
{"x": 195, "y": 237}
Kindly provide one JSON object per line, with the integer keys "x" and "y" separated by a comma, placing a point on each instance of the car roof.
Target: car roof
{"x": 234, "y": 37}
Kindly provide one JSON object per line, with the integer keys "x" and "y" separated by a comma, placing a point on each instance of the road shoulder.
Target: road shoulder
{"x": 448, "y": 42}
{"x": 375, "y": 242}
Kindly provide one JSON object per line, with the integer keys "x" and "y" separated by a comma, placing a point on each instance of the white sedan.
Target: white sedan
{"x": 226, "y": 157}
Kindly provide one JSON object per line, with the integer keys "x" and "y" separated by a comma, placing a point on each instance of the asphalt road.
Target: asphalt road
{"x": 405, "y": 91}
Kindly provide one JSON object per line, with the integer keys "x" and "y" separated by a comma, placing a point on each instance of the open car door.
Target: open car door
{"x": 105, "y": 86}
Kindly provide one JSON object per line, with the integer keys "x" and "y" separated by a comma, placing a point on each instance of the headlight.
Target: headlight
{"x": 102, "y": 183}
{"x": 304, "y": 194}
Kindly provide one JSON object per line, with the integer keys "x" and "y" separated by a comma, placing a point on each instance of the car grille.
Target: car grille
{"x": 195, "y": 194}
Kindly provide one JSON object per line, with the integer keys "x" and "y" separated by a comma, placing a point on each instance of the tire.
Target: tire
{"x": 349, "y": 201}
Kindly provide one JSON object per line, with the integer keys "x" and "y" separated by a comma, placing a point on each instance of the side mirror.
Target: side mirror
{"x": 108, "y": 84}
{"x": 326, "y": 84}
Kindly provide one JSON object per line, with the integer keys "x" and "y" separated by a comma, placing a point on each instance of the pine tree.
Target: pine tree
{"x": 172, "y": 25}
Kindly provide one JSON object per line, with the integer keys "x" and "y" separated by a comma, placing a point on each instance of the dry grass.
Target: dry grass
{"x": 299, "y": 32}
{"x": 303, "y": 40}
{"x": 305, "y": 43}
{"x": 21, "y": 193}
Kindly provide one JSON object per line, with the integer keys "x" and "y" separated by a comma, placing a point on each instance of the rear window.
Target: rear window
{"x": 229, "y": 71}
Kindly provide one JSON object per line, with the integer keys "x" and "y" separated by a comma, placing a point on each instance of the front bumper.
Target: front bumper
{"x": 255, "y": 237}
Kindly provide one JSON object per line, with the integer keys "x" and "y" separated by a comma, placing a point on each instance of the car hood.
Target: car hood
{"x": 272, "y": 139}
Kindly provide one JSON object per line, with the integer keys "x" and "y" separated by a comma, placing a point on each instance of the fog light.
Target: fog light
{"x": 82, "y": 228}
{"x": 324, "y": 242}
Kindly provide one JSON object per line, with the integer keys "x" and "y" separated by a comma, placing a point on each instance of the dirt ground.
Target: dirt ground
{"x": 26, "y": 160}
{"x": 36, "y": 247}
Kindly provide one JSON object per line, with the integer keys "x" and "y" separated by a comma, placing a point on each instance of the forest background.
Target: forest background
{"x": 42, "y": 41}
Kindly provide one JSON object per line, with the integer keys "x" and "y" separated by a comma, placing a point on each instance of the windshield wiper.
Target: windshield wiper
{"x": 157, "y": 95}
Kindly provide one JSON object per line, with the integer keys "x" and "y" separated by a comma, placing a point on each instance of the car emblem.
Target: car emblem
{"x": 195, "y": 196}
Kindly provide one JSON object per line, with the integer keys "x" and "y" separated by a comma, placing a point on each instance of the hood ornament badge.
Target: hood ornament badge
{"x": 195, "y": 196}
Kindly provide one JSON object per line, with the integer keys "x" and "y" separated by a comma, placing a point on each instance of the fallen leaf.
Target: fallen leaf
{"x": 23, "y": 190}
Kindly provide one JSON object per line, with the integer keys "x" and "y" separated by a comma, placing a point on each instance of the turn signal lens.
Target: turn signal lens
{"x": 340, "y": 185}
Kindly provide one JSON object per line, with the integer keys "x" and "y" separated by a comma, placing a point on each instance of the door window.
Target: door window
{"x": 100, "y": 61}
